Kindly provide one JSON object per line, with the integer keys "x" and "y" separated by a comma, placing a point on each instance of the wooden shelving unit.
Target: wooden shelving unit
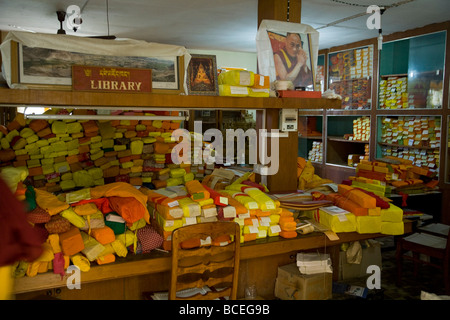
{"x": 142, "y": 100}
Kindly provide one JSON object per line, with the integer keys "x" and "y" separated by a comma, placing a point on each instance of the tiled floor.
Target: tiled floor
{"x": 429, "y": 279}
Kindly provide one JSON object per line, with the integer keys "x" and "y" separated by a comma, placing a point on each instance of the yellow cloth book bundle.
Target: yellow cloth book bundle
{"x": 95, "y": 152}
{"x": 242, "y": 83}
{"x": 335, "y": 218}
{"x": 256, "y": 213}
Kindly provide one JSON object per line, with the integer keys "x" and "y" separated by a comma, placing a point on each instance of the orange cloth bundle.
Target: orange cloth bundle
{"x": 107, "y": 258}
{"x": 167, "y": 207}
{"x": 197, "y": 190}
{"x": 90, "y": 126}
{"x": 287, "y": 224}
{"x": 122, "y": 189}
{"x": 286, "y": 219}
{"x": 347, "y": 204}
{"x": 249, "y": 221}
{"x": 261, "y": 81}
{"x": 357, "y": 196}
{"x": 103, "y": 235}
{"x": 288, "y": 234}
{"x": 158, "y": 198}
{"x": 240, "y": 208}
{"x": 169, "y": 213}
{"x": 36, "y": 171}
{"x": 161, "y": 147}
{"x": 38, "y": 125}
{"x": 119, "y": 189}
{"x": 286, "y": 213}
{"x": 159, "y": 184}
{"x": 165, "y": 125}
{"x": 249, "y": 236}
{"x": 130, "y": 209}
{"x": 408, "y": 182}
{"x": 71, "y": 242}
{"x": 263, "y": 213}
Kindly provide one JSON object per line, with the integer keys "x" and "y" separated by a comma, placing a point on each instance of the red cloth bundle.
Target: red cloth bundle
{"x": 101, "y": 203}
{"x": 217, "y": 197}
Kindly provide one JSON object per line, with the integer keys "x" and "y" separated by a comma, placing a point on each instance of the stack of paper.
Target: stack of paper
{"x": 311, "y": 263}
{"x": 181, "y": 294}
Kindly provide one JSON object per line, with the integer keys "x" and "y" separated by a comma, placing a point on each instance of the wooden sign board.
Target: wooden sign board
{"x": 111, "y": 79}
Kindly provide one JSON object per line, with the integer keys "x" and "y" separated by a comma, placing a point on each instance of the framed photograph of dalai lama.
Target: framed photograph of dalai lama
{"x": 288, "y": 52}
{"x": 292, "y": 58}
{"x": 202, "y": 75}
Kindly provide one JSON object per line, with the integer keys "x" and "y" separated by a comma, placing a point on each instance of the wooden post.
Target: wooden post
{"x": 286, "y": 178}
{"x": 281, "y": 10}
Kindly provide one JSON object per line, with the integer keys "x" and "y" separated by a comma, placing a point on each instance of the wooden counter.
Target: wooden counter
{"x": 128, "y": 277}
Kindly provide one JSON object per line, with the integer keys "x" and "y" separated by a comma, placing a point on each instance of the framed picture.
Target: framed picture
{"x": 288, "y": 52}
{"x": 202, "y": 75}
{"x": 38, "y": 67}
{"x": 292, "y": 58}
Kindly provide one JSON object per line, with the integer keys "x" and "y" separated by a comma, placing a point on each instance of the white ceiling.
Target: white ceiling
{"x": 229, "y": 25}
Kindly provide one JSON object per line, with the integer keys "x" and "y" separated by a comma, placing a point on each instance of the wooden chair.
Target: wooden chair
{"x": 205, "y": 254}
{"x": 434, "y": 245}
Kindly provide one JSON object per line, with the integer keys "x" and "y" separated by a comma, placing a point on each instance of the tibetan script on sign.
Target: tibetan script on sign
{"x": 111, "y": 79}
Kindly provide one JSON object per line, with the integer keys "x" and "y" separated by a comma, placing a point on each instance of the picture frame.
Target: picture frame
{"x": 30, "y": 67}
{"x": 202, "y": 75}
{"x": 285, "y": 48}
{"x": 299, "y": 63}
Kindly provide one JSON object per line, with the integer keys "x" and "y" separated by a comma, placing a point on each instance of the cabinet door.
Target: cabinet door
{"x": 412, "y": 72}
{"x": 415, "y": 139}
{"x": 350, "y": 75}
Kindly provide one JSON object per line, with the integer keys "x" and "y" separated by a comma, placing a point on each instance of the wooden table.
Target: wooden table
{"x": 128, "y": 277}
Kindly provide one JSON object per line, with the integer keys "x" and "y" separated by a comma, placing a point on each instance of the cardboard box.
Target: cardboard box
{"x": 370, "y": 256}
{"x": 292, "y": 285}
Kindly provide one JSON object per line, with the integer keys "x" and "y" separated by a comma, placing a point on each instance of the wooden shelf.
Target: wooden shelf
{"x": 403, "y": 146}
{"x": 157, "y": 262}
{"x": 340, "y": 139}
{"x": 150, "y": 100}
{"x": 394, "y": 75}
{"x": 352, "y": 79}
{"x": 310, "y": 137}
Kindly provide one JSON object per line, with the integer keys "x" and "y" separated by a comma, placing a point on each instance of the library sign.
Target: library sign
{"x": 111, "y": 79}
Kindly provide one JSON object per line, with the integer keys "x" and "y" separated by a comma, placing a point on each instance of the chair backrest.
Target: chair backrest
{"x": 205, "y": 254}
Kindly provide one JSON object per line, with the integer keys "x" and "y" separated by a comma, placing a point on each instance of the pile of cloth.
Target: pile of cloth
{"x": 82, "y": 227}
